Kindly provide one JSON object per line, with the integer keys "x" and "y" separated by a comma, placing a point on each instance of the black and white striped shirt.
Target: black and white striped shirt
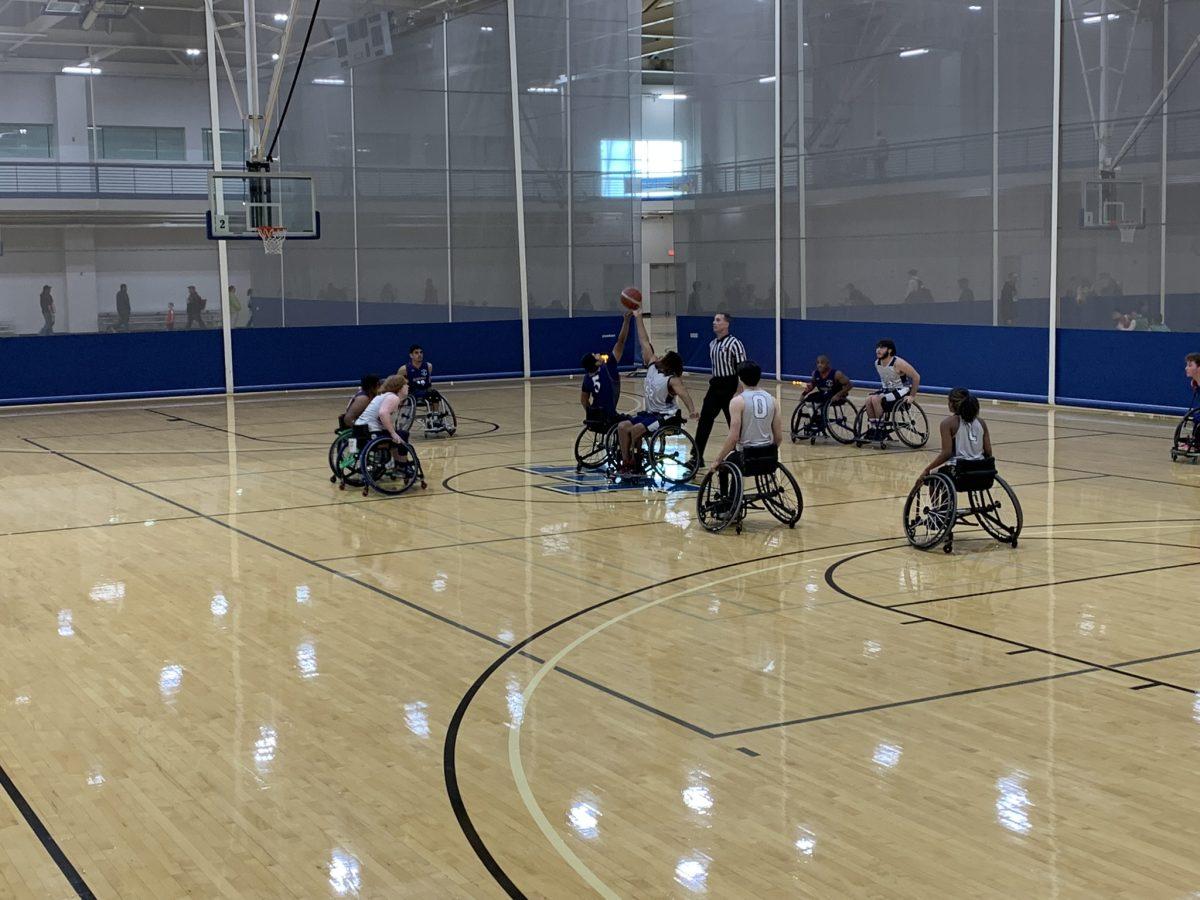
{"x": 726, "y": 354}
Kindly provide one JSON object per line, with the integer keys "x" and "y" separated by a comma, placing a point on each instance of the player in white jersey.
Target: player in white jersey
{"x": 664, "y": 387}
{"x": 755, "y": 423}
{"x": 964, "y": 435}
{"x": 899, "y": 384}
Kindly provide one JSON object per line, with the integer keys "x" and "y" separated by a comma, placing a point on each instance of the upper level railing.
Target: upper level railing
{"x": 1020, "y": 151}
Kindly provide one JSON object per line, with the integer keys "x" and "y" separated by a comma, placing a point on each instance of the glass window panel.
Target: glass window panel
{"x": 24, "y": 141}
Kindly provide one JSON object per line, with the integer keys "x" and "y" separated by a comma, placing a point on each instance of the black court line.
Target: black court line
{"x": 96, "y": 525}
{"x": 46, "y": 838}
{"x": 1142, "y": 687}
{"x": 821, "y": 717}
{"x": 832, "y": 582}
{"x": 748, "y": 751}
{"x": 450, "y": 747}
{"x": 1019, "y": 652}
{"x": 1009, "y": 590}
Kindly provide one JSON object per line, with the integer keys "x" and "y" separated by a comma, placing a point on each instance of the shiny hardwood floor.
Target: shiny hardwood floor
{"x": 223, "y": 677}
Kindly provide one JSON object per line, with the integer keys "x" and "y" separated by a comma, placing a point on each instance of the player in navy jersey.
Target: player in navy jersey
{"x": 602, "y": 381}
{"x": 419, "y": 374}
{"x": 826, "y": 382}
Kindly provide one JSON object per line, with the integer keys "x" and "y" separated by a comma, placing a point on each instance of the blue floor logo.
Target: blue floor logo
{"x": 566, "y": 480}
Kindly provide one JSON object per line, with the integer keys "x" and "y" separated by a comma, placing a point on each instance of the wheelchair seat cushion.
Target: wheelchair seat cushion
{"x": 972, "y": 474}
{"x": 759, "y": 460}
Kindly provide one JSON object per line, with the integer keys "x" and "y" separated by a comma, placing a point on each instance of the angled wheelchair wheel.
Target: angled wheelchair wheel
{"x": 406, "y": 414}
{"x": 671, "y": 455}
{"x": 346, "y": 469}
{"x": 590, "y": 452}
{"x": 841, "y": 420}
{"x": 998, "y": 512}
{"x": 780, "y": 493}
{"x": 612, "y": 448}
{"x": 802, "y": 422}
{"x": 383, "y": 472}
{"x": 910, "y": 425}
{"x": 442, "y": 422}
{"x": 929, "y": 512}
{"x": 1185, "y": 444}
{"x": 337, "y": 449}
{"x": 861, "y": 426}
{"x": 718, "y": 507}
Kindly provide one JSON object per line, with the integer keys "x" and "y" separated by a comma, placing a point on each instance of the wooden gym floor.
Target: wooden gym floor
{"x": 223, "y": 677}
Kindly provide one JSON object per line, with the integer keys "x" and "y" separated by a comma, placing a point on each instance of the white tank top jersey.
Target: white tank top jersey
{"x": 370, "y": 415}
{"x": 658, "y": 393}
{"x": 888, "y": 376}
{"x": 757, "y": 416}
{"x": 968, "y": 440}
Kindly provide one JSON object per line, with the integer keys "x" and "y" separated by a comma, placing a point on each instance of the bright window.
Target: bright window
{"x": 657, "y": 167}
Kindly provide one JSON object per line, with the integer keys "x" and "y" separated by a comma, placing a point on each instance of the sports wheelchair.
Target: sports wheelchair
{"x": 440, "y": 420}
{"x": 820, "y": 415}
{"x": 591, "y": 444}
{"x": 723, "y": 499}
{"x": 1187, "y": 437}
{"x": 373, "y": 467}
{"x": 669, "y": 454}
{"x": 931, "y": 510}
{"x": 905, "y": 421}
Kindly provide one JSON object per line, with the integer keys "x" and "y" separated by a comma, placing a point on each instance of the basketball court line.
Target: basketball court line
{"x": 51, "y": 846}
{"x": 514, "y": 751}
{"x": 371, "y": 587}
{"x": 1047, "y": 584}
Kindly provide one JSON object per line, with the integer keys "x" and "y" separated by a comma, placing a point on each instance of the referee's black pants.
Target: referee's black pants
{"x": 721, "y": 390}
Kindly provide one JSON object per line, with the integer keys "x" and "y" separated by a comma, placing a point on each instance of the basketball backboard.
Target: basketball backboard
{"x": 1110, "y": 204}
{"x": 242, "y": 202}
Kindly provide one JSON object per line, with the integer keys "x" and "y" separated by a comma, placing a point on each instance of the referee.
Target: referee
{"x": 726, "y": 353}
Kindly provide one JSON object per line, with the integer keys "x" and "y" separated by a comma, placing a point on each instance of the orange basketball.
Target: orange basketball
{"x": 631, "y": 298}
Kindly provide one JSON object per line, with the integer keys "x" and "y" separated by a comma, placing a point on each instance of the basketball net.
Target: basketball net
{"x": 1127, "y": 233}
{"x": 272, "y": 238}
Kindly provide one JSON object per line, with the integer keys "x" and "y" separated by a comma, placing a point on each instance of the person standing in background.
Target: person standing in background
{"x": 46, "y": 301}
{"x": 965, "y": 294}
{"x": 193, "y": 307}
{"x": 1008, "y": 301}
{"x": 431, "y": 295}
{"x": 170, "y": 317}
{"x": 235, "y": 307}
{"x": 123, "y": 308}
{"x": 252, "y": 306}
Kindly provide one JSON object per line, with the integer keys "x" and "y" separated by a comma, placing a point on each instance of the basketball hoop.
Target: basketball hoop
{"x": 1127, "y": 233}
{"x": 272, "y": 238}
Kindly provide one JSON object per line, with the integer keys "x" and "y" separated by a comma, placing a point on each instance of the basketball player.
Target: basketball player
{"x": 827, "y": 383}
{"x": 964, "y": 435}
{"x": 368, "y": 387}
{"x": 379, "y": 417}
{"x": 899, "y": 382}
{"x": 664, "y": 387}
{"x": 1191, "y": 368}
{"x": 602, "y": 375}
{"x": 755, "y": 423}
{"x": 419, "y": 375}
